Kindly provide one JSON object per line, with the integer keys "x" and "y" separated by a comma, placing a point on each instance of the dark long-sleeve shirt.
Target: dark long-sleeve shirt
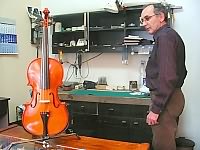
{"x": 165, "y": 70}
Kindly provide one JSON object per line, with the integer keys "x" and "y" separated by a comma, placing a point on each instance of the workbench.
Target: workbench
{"x": 116, "y": 115}
{"x": 66, "y": 142}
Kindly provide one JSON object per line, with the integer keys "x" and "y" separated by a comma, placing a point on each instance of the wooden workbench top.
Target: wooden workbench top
{"x": 123, "y": 97}
{"x": 82, "y": 143}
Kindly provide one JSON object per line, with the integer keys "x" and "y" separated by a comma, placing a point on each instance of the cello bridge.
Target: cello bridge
{"x": 44, "y": 101}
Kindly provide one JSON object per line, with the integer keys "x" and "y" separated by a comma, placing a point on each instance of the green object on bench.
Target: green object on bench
{"x": 128, "y": 94}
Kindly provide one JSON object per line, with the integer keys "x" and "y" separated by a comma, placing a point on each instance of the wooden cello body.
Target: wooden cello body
{"x": 45, "y": 115}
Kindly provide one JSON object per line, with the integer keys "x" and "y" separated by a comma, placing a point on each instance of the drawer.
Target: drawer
{"x": 115, "y": 128}
{"x": 140, "y": 131}
{"x": 83, "y": 107}
{"x": 120, "y": 122}
{"x": 114, "y": 109}
{"x": 138, "y": 123}
{"x": 139, "y": 111}
{"x": 85, "y": 124}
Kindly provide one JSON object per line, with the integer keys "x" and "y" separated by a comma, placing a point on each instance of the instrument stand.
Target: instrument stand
{"x": 44, "y": 141}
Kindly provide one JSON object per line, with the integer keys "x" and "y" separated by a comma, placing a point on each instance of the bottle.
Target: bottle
{"x": 142, "y": 73}
{"x": 143, "y": 87}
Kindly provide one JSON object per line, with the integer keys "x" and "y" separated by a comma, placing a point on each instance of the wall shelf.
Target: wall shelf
{"x": 101, "y": 28}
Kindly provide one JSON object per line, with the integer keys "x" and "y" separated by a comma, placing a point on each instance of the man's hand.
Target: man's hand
{"x": 152, "y": 118}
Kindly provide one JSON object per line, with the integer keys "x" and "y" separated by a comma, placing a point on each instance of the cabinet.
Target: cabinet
{"x": 73, "y": 29}
{"x": 122, "y": 122}
{"x": 4, "y": 113}
{"x": 114, "y": 121}
{"x": 101, "y": 31}
{"x": 83, "y": 118}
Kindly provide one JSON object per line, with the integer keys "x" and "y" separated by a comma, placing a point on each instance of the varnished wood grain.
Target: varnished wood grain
{"x": 86, "y": 143}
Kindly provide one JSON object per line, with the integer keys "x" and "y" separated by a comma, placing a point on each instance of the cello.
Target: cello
{"x": 45, "y": 115}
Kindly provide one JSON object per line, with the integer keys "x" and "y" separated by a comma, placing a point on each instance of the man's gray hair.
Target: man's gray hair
{"x": 158, "y": 8}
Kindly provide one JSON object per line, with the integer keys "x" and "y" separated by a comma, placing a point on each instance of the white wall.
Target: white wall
{"x": 108, "y": 65}
{"x": 186, "y": 23}
{"x": 13, "y": 82}
{"x": 67, "y": 6}
{"x": 188, "y": 27}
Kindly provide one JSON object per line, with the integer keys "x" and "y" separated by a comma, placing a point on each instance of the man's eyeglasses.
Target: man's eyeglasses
{"x": 146, "y": 18}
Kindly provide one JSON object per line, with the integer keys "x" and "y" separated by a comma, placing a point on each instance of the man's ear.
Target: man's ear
{"x": 162, "y": 17}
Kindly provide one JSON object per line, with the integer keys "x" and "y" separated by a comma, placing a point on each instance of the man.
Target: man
{"x": 165, "y": 74}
